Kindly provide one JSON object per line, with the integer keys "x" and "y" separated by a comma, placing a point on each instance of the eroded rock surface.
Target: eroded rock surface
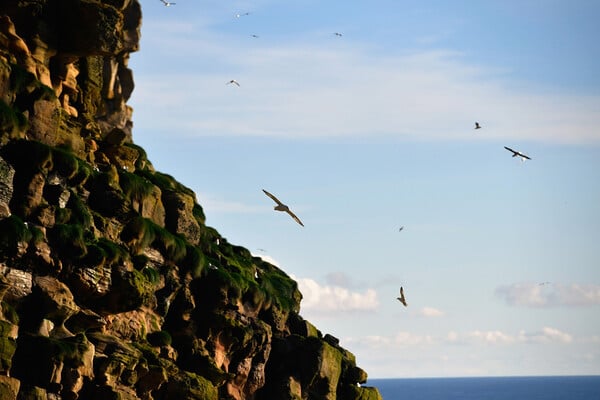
{"x": 111, "y": 284}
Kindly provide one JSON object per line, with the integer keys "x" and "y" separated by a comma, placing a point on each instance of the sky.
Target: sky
{"x": 364, "y": 133}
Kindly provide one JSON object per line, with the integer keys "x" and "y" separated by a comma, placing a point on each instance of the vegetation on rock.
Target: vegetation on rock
{"x": 111, "y": 283}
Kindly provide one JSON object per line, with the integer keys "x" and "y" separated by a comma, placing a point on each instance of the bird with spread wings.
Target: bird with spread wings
{"x": 517, "y": 154}
{"x": 402, "y": 299}
{"x": 282, "y": 207}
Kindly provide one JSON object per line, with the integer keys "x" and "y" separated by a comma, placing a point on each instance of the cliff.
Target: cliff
{"x": 111, "y": 284}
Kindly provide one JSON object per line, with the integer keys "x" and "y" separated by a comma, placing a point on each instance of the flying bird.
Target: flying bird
{"x": 167, "y": 4}
{"x": 401, "y": 228}
{"x": 477, "y": 126}
{"x": 234, "y": 82}
{"x": 517, "y": 154}
{"x": 240, "y": 14}
{"x": 282, "y": 207}
{"x": 402, "y": 299}
{"x": 255, "y": 36}
{"x": 337, "y": 34}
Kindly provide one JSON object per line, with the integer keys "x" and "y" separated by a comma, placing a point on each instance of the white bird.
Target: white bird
{"x": 517, "y": 154}
{"x": 402, "y": 299}
{"x": 234, "y": 82}
{"x": 282, "y": 207}
{"x": 477, "y": 126}
{"x": 167, "y": 4}
{"x": 241, "y": 14}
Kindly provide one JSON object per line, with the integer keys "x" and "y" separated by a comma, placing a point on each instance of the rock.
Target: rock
{"x": 180, "y": 216}
{"x": 111, "y": 284}
{"x": 57, "y": 303}
{"x": 9, "y": 388}
{"x": 7, "y": 173}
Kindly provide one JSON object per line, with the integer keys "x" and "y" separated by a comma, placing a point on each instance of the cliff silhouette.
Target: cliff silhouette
{"x": 111, "y": 284}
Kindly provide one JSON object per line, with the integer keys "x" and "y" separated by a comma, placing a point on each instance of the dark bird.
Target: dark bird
{"x": 401, "y": 228}
{"x": 544, "y": 283}
{"x": 254, "y": 36}
{"x": 402, "y": 299}
{"x": 477, "y": 126}
{"x": 517, "y": 154}
{"x": 234, "y": 82}
{"x": 166, "y": 3}
{"x": 282, "y": 207}
{"x": 337, "y": 34}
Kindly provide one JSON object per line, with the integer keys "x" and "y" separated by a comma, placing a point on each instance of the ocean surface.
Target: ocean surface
{"x": 490, "y": 388}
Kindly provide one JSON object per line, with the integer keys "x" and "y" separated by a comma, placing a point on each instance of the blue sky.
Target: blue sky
{"x": 363, "y": 133}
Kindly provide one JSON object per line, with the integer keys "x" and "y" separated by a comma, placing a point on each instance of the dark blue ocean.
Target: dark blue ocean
{"x": 490, "y": 388}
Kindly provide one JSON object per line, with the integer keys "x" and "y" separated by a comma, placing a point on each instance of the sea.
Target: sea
{"x": 490, "y": 388}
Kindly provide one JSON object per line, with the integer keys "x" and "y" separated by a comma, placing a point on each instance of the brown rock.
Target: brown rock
{"x": 179, "y": 216}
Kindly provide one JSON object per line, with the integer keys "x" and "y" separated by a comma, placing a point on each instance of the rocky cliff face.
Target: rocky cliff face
{"x": 111, "y": 284}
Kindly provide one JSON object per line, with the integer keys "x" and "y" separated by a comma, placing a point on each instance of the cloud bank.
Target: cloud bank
{"x": 329, "y": 299}
{"x": 549, "y": 295}
{"x": 315, "y": 89}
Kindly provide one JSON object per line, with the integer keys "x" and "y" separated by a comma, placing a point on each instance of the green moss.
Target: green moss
{"x": 80, "y": 214}
{"x": 198, "y": 213}
{"x": 141, "y": 233}
{"x": 12, "y": 232}
{"x": 151, "y": 274}
{"x": 84, "y": 172}
{"x": 166, "y": 182}
{"x": 115, "y": 253}
{"x": 11, "y": 120}
{"x": 135, "y": 187}
{"x": 188, "y": 385}
{"x": 69, "y": 240}
{"x": 195, "y": 261}
{"x": 66, "y": 164}
{"x": 282, "y": 290}
{"x": 142, "y": 161}
{"x": 62, "y": 215}
{"x": 95, "y": 255}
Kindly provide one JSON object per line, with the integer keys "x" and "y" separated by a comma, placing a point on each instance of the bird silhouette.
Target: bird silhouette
{"x": 477, "y": 126}
{"x": 402, "y": 299}
{"x": 517, "y": 154}
{"x": 282, "y": 207}
{"x": 337, "y": 34}
{"x": 234, "y": 82}
{"x": 401, "y": 228}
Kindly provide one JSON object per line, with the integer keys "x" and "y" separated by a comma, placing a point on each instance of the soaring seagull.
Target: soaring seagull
{"x": 402, "y": 299}
{"x": 167, "y": 4}
{"x": 234, "y": 82}
{"x": 517, "y": 154}
{"x": 282, "y": 207}
{"x": 477, "y": 126}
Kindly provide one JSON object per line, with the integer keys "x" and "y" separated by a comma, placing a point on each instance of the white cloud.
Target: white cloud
{"x": 430, "y": 312}
{"x": 319, "y": 299}
{"x": 320, "y": 90}
{"x": 546, "y": 335}
{"x": 490, "y": 337}
{"x": 549, "y": 295}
